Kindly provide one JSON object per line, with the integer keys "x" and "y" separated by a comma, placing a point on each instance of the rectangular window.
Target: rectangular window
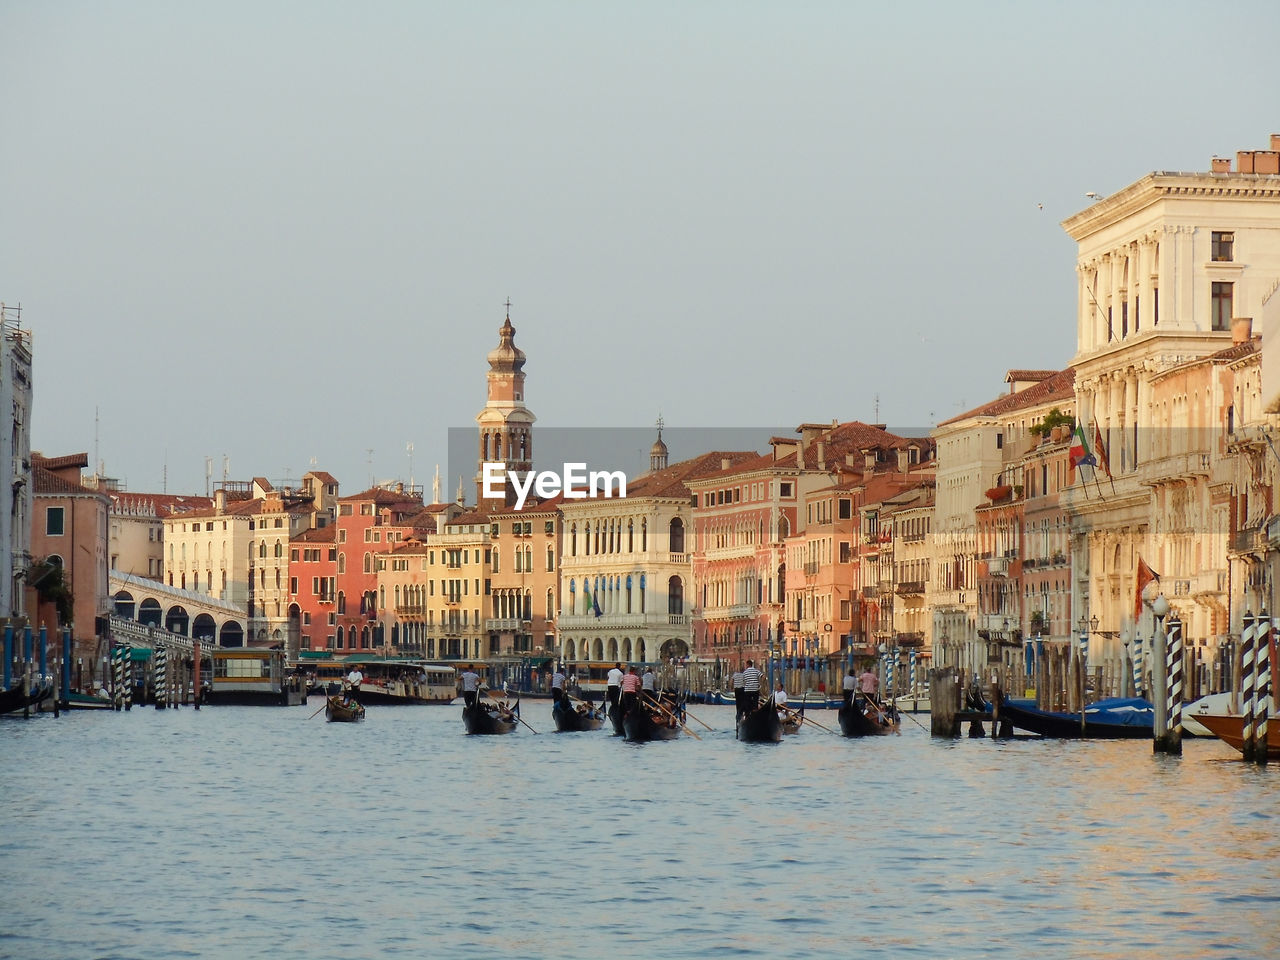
{"x": 1220, "y": 306}
{"x": 1222, "y": 243}
{"x": 845, "y": 555}
{"x": 53, "y": 521}
{"x": 846, "y": 508}
{"x": 344, "y": 509}
{"x": 549, "y": 527}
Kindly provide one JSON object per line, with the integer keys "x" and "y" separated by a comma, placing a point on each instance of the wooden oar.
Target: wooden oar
{"x": 805, "y": 719}
{"x": 691, "y": 716}
{"x": 513, "y": 712}
{"x": 322, "y": 706}
{"x": 658, "y": 704}
{"x": 883, "y": 716}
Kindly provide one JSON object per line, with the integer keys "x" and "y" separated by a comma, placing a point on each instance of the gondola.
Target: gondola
{"x": 644, "y": 722}
{"x": 340, "y": 710}
{"x": 760, "y": 725}
{"x": 615, "y": 718}
{"x": 33, "y": 698}
{"x": 569, "y": 719}
{"x": 486, "y": 717}
{"x": 855, "y": 722}
{"x": 1119, "y": 718}
{"x": 791, "y": 720}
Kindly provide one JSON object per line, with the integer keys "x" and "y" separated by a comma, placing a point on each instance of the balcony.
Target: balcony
{"x": 677, "y": 558}
{"x": 1247, "y": 541}
{"x": 736, "y": 611}
{"x": 911, "y": 588}
{"x": 811, "y": 569}
{"x": 741, "y": 552}
{"x": 998, "y": 567}
{"x": 507, "y": 625}
{"x": 870, "y": 593}
{"x": 620, "y": 621}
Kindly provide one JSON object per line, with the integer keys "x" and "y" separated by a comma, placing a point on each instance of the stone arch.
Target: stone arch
{"x": 124, "y": 605}
{"x": 677, "y": 535}
{"x": 674, "y": 647}
{"x": 231, "y": 635}
{"x": 675, "y": 595}
{"x": 611, "y": 650}
{"x": 149, "y": 612}
{"x": 204, "y": 628}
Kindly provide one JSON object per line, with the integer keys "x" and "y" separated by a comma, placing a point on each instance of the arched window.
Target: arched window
{"x": 262, "y": 550}
{"x": 644, "y": 537}
{"x": 677, "y": 535}
{"x": 279, "y": 550}
{"x": 342, "y": 563}
{"x": 551, "y": 610}
{"x": 368, "y": 563}
{"x": 484, "y": 448}
{"x": 675, "y": 595}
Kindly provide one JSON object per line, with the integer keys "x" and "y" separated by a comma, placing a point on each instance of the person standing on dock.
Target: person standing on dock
{"x": 614, "y": 682}
{"x": 470, "y": 687}
{"x": 737, "y": 693}
{"x": 751, "y": 678}
{"x": 557, "y": 686}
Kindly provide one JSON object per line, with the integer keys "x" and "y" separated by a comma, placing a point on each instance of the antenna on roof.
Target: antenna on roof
{"x": 409, "y": 449}
{"x": 877, "y": 409}
{"x": 208, "y": 475}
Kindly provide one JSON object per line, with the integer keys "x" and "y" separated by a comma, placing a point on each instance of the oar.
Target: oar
{"x": 913, "y": 719}
{"x": 805, "y": 719}
{"x": 515, "y": 714}
{"x": 322, "y": 706}
{"x": 883, "y": 716}
{"x": 590, "y": 705}
{"x": 658, "y": 704}
{"x": 692, "y": 717}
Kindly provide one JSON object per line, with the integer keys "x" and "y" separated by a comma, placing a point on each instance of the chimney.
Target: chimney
{"x": 1275, "y": 141}
{"x": 1220, "y": 165}
{"x": 1241, "y": 329}
{"x": 725, "y": 463}
{"x": 904, "y": 460}
{"x": 220, "y": 500}
{"x": 822, "y": 456}
{"x": 1266, "y": 161}
{"x": 869, "y": 459}
{"x": 400, "y": 486}
{"x": 1244, "y": 161}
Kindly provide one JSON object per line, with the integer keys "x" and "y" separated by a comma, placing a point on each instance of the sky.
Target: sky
{"x": 261, "y": 238}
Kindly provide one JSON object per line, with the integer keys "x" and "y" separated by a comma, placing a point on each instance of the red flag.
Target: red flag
{"x": 1145, "y": 576}
{"x": 1102, "y": 450}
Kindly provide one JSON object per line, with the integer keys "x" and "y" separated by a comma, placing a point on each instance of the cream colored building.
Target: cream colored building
{"x": 15, "y": 461}
{"x": 1164, "y": 266}
{"x": 458, "y": 589}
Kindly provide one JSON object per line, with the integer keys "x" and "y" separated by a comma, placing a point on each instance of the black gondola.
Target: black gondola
{"x": 760, "y": 725}
{"x": 643, "y": 722}
{"x": 16, "y": 698}
{"x": 486, "y": 717}
{"x": 615, "y": 717}
{"x": 569, "y": 719}
{"x": 855, "y": 721}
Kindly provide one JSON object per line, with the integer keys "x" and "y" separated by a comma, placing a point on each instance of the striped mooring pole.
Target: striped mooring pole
{"x": 911, "y": 660}
{"x": 1261, "y": 685}
{"x": 888, "y": 675}
{"x": 1137, "y": 665}
{"x": 1248, "y": 678}
{"x": 117, "y": 677}
{"x": 1173, "y": 687}
{"x": 127, "y": 661}
{"x": 161, "y": 678}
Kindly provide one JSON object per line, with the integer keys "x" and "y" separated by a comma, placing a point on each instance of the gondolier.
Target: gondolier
{"x": 557, "y": 686}
{"x": 751, "y": 678}
{"x": 649, "y": 684}
{"x": 850, "y": 686}
{"x": 470, "y": 687}
{"x": 614, "y": 689}
{"x": 354, "y": 679}
{"x": 737, "y": 693}
{"x": 630, "y": 688}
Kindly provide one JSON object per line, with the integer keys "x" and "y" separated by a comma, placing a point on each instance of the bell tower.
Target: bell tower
{"x": 505, "y": 424}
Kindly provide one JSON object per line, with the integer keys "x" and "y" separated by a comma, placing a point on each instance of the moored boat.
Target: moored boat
{"x": 584, "y": 716}
{"x": 1117, "y": 718}
{"x": 760, "y": 725}
{"x": 1229, "y": 728}
{"x": 340, "y": 710}
{"x": 86, "y": 701}
{"x": 488, "y": 717}
{"x": 862, "y": 719}
{"x": 38, "y": 696}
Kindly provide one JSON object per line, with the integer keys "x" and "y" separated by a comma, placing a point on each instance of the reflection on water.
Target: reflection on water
{"x": 257, "y": 832}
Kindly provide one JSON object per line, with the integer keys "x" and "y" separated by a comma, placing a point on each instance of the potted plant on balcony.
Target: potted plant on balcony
{"x": 1037, "y": 622}
{"x": 1001, "y": 492}
{"x": 1055, "y": 425}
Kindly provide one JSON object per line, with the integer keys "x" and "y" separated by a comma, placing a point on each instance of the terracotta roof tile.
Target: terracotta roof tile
{"x": 327, "y": 534}
{"x": 50, "y": 484}
{"x": 1061, "y": 386}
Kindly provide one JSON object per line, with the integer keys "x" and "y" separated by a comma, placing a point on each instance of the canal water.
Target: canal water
{"x": 258, "y": 832}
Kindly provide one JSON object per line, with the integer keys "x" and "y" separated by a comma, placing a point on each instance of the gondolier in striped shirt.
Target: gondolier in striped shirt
{"x": 751, "y": 678}
{"x": 630, "y": 688}
{"x": 557, "y": 686}
{"x": 470, "y": 685}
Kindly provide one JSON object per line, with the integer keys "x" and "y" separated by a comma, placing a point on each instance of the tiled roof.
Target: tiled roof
{"x": 323, "y": 476}
{"x": 156, "y": 504}
{"x": 382, "y": 497}
{"x": 49, "y": 483}
{"x": 78, "y": 460}
{"x": 1060, "y": 386}
{"x": 1237, "y": 351}
{"x": 475, "y": 516}
{"x": 1028, "y": 375}
{"x": 318, "y": 535}
{"x": 670, "y": 482}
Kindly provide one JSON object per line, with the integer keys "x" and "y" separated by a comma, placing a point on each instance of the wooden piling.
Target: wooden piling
{"x": 945, "y": 701}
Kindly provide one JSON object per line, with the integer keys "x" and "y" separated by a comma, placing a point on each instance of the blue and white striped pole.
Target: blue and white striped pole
{"x": 911, "y": 659}
{"x": 1137, "y": 665}
{"x": 889, "y": 659}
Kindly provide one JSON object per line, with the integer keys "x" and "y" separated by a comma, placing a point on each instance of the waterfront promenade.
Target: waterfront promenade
{"x": 257, "y": 832}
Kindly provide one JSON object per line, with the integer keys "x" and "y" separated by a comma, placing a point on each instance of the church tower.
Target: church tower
{"x": 658, "y": 452}
{"x": 505, "y": 424}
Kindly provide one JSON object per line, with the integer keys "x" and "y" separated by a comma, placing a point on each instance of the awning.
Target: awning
{"x": 140, "y": 654}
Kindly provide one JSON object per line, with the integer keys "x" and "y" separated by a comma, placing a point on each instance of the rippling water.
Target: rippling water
{"x": 257, "y": 832}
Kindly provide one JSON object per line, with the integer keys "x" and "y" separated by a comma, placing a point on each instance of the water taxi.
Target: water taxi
{"x": 252, "y": 676}
{"x": 387, "y": 680}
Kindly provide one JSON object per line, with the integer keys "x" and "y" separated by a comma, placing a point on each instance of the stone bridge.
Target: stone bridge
{"x": 180, "y": 613}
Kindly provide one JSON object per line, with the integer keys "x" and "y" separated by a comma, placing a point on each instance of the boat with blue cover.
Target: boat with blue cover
{"x": 1117, "y": 718}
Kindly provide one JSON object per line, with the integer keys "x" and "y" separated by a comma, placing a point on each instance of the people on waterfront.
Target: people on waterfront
{"x": 470, "y": 687}
{"x": 557, "y": 687}
{"x": 850, "y": 686}
{"x": 737, "y": 693}
{"x": 751, "y": 678}
{"x": 649, "y": 684}
{"x": 630, "y": 689}
{"x": 614, "y": 688}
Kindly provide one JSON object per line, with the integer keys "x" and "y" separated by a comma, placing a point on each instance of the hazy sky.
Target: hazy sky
{"x": 283, "y": 231}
